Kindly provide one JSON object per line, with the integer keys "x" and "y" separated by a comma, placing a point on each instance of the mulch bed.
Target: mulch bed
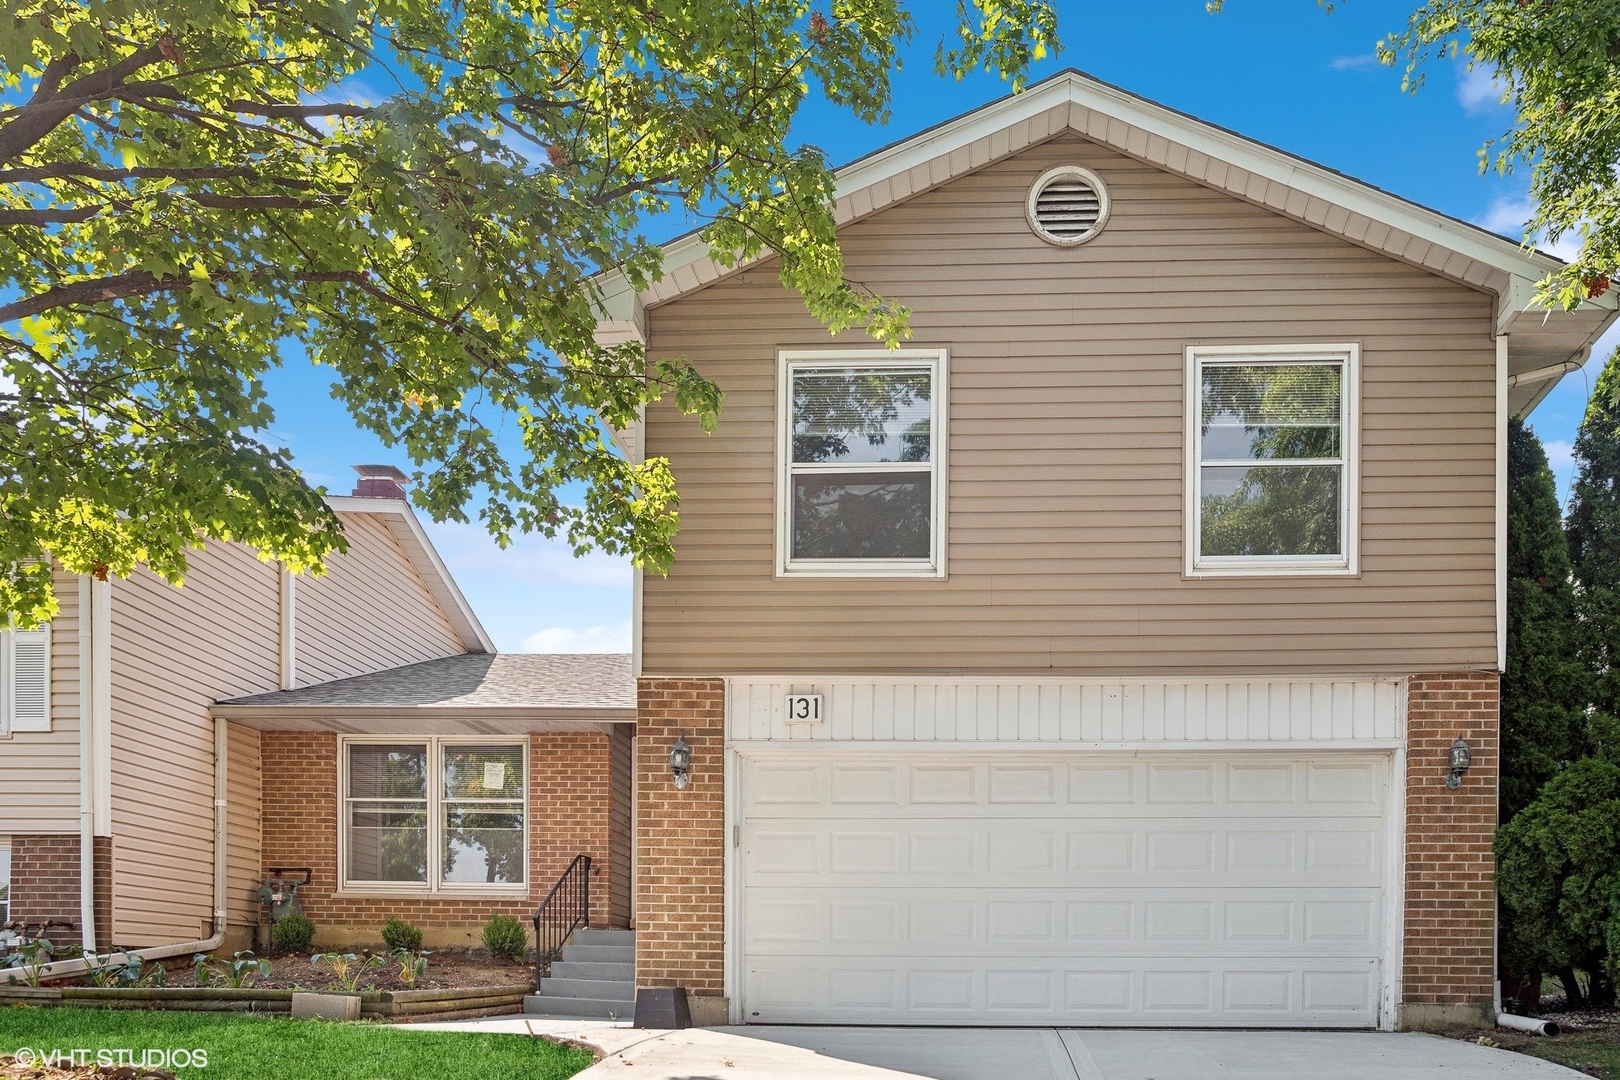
{"x": 10, "y": 1070}
{"x": 448, "y": 969}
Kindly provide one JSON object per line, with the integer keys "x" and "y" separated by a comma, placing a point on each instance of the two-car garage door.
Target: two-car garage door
{"x": 971, "y": 888}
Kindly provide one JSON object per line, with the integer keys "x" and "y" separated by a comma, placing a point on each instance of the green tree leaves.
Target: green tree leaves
{"x": 1560, "y": 64}
{"x": 418, "y": 195}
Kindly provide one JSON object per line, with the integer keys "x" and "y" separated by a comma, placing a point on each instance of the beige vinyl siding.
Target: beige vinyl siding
{"x": 244, "y": 792}
{"x": 39, "y": 770}
{"x": 1066, "y": 463}
{"x": 174, "y": 653}
{"x": 371, "y": 610}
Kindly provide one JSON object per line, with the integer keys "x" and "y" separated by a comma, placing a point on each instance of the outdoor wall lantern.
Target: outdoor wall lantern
{"x": 1461, "y": 758}
{"x": 680, "y": 763}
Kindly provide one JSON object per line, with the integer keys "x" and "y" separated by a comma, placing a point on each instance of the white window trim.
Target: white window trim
{"x": 790, "y": 360}
{"x": 8, "y": 682}
{"x": 432, "y": 887}
{"x": 1346, "y": 564}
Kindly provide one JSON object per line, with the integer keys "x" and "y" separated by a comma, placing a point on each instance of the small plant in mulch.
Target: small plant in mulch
{"x": 347, "y": 968}
{"x": 412, "y": 965}
{"x": 237, "y": 973}
{"x": 505, "y": 937}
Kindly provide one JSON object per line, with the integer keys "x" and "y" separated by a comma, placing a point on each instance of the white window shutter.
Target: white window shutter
{"x": 30, "y": 679}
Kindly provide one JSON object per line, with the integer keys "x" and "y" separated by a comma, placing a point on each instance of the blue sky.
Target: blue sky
{"x": 1280, "y": 71}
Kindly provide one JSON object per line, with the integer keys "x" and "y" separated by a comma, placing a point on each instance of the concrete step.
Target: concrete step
{"x": 588, "y": 988}
{"x": 579, "y": 1008}
{"x": 576, "y": 969}
{"x": 603, "y": 937}
{"x": 599, "y": 954}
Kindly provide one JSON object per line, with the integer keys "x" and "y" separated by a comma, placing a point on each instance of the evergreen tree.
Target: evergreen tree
{"x": 1594, "y": 547}
{"x": 1544, "y": 687}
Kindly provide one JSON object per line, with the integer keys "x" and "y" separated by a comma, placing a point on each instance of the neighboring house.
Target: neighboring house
{"x": 118, "y": 768}
{"x": 1095, "y": 658}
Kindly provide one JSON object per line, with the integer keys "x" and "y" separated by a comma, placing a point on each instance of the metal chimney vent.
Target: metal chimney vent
{"x": 1068, "y": 205}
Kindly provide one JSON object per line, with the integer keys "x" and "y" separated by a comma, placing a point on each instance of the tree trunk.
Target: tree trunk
{"x": 1573, "y": 998}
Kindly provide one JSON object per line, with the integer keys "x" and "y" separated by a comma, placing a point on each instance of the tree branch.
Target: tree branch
{"x": 51, "y": 105}
{"x": 43, "y": 218}
{"x": 144, "y": 283}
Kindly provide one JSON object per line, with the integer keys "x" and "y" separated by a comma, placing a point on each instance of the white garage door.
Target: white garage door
{"x": 1177, "y": 889}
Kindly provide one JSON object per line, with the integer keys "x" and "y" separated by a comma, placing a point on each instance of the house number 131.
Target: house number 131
{"x": 804, "y": 708}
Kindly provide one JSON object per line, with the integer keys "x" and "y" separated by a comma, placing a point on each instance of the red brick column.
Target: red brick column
{"x": 1449, "y": 970}
{"x": 569, "y": 814}
{"x": 45, "y": 883}
{"x": 680, "y": 849}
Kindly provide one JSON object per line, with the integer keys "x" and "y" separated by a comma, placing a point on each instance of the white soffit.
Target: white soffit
{"x": 407, "y": 530}
{"x": 1215, "y": 157}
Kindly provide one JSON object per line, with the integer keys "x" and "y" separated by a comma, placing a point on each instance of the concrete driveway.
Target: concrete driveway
{"x": 831, "y": 1053}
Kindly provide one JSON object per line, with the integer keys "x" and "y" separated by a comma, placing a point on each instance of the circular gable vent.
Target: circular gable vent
{"x": 1068, "y": 205}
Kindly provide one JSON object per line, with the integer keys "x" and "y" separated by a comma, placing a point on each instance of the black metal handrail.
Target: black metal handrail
{"x": 566, "y": 908}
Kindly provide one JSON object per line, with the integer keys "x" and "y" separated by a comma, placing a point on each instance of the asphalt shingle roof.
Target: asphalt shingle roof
{"x": 475, "y": 680}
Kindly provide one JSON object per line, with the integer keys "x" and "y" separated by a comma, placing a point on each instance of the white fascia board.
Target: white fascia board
{"x": 425, "y": 558}
{"x": 1073, "y": 88}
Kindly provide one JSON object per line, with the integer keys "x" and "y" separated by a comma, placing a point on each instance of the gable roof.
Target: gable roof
{"x": 407, "y": 531}
{"x": 1543, "y": 345}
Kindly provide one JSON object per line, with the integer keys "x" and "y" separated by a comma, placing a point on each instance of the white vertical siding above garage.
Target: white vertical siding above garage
{"x": 1344, "y": 711}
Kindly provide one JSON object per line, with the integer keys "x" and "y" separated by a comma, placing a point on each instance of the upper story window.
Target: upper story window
{"x": 1271, "y": 463}
{"x": 861, "y": 442}
{"x": 433, "y": 814}
{"x": 25, "y": 680}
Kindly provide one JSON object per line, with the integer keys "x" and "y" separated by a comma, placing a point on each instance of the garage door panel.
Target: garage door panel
{"x": 1293, "y": 991}
{"x": 1076, "y": 922}
{"x": 1198, "y": 889}
{"x": 1193, "y": 851}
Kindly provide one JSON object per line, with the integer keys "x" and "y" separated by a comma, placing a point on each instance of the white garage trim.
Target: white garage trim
{"x": 932, "y": 719}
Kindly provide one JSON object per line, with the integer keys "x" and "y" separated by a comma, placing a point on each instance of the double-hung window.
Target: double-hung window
{"x": 861, "y": 445}
{"x": 434, "y": 815}
{"x": 1271, "y": 463}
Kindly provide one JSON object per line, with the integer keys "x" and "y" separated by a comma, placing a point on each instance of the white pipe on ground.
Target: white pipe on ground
{"x": 1526, "y": 1023}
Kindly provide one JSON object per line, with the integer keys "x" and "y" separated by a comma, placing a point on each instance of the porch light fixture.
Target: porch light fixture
{"x": 680, "y": 763}
{"x": 1461, "y": 757}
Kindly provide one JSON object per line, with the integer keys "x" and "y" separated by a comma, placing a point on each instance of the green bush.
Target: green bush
{"x": 1558, "y": 871}
{"x": 398, "y": 934}
{"x": 504, "y": 936}
{"x": 293, "y": 933}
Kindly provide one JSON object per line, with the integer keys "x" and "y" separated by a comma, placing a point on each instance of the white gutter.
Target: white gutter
{"x": 1552, "y": 371}
{"x": 64, "y": 968}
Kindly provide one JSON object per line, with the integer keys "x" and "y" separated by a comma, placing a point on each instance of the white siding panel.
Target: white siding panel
{"x": 1275, "y": 710}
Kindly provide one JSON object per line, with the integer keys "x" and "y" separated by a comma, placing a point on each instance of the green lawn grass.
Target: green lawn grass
{"x": 1594, "y": 1053}
{"x": 244, "y": 1047}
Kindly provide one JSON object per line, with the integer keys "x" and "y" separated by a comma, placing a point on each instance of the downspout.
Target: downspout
{"x": 87, "y": 780}
{"x": 62, "y": 968}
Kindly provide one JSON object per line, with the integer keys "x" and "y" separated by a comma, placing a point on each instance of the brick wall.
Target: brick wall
{"x": 680, "y": 851}
{"x": 569, "y": 806}
{"x": 45, "y": 882}
{"x": 1450, "y": 889}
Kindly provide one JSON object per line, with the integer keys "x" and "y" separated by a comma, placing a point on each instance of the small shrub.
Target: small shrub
{"x": 505, "y": 937}
{"x": 237, "y": 972}
{"x": 294, "y": 933}
{"x": 399, "y": 935}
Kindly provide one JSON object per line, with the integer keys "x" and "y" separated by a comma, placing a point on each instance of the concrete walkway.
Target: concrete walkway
{"x": 840, "y": 1053}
